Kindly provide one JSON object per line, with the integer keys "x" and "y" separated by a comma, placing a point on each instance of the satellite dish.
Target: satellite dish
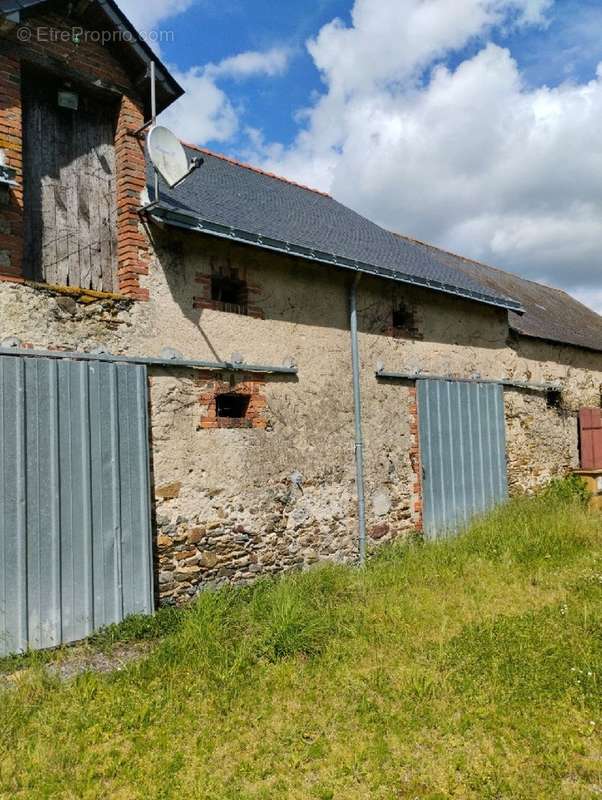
{"x": 168, "y": 156}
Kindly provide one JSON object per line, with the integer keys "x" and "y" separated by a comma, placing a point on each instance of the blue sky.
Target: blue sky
{"x": 210, "y": 32}
{"x": 568, "y": 47}
{"x": 473, "y": 124}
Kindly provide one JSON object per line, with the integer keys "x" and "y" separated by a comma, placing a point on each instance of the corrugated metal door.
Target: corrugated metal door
{"x": 75, "y": 539}
{"x": 463, "y": 451}
{"x": 590, "y": 437}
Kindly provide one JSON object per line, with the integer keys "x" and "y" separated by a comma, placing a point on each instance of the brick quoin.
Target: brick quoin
{"x": 11, "y": 138}
{"x": 89, "y": 63}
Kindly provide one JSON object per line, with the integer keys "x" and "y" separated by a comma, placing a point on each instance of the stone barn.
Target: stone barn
{"x": 240, "y": 376}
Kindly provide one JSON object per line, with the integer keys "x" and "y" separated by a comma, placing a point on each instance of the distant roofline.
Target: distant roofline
{"x": 477, "y": 262}
{"x": 250, "y": 167}
{"x": 557, "y": 341}
{"x": 516, "y": 275}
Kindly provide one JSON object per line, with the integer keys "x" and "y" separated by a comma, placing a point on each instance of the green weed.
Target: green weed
{"x": 467, "y": 668}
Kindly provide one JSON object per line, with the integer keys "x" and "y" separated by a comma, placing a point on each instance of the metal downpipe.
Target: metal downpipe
{"x": 357, "y": 411}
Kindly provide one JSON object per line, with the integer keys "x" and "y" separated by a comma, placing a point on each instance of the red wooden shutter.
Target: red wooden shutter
{"x": 590, "y": 431}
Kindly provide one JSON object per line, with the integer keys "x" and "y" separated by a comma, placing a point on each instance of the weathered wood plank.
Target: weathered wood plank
{"x": 49, "y": 175}
{"x": 71, "y": 206}
{"x": 74, "y": 121}
{"x": 95, "y": 216}
{"x": 32, "y": 172}
{"x": 107, "y": 202}
{"x": 64, "y": 145}
{"x": 83, "y": 216}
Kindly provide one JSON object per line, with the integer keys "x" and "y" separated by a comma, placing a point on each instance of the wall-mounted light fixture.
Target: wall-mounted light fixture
{"x": 68, "y": 100}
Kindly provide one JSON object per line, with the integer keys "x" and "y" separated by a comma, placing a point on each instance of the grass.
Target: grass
{"x": 469, "y": 668}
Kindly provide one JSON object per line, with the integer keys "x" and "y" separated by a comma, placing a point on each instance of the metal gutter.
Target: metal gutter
{"x": 229, "y": 366}
{"x": 161, "y": 214}
{"x": 417, "y": 376}
{"x": 357, "y": 414}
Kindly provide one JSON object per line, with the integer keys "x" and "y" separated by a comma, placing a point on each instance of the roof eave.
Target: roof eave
{"x": 556, "y": 342}
{"x": 171, "y": 88}
{"x": 161, "y": 214}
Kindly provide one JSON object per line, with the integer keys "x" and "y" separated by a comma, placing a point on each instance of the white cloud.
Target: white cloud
{"x": 245, "y": 65}
{"x": 205, "y": 113}
{"x": 470, "y": 158}
{"x": 146, "y": 14}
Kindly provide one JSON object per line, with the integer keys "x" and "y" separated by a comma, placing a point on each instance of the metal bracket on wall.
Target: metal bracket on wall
{"x": 8, "y": 176}
{"x": 416, "y": 376}
{"x": 224, "y": 366}
{"x": 7, "y": 182}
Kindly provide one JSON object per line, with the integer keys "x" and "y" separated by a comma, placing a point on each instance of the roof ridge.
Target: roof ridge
{"x": 258, "y": 170}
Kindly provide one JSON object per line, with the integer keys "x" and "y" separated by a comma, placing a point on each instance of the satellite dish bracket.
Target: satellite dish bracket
{"x": 195, "y": 164}
{"x": 168, "y": 157}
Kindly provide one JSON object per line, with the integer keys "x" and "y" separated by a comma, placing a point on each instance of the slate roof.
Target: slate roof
{"x": 10, "y": 6}
{"x": 229, "y": 199}
{"x": 232, "y": 200}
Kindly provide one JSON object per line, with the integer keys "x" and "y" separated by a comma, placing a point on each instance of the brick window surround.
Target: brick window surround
{"x": 403, "y": 323}
{"x": 254, "y": 413}
{"x": 223, "y": 272}
{"x": 92, "y": 63}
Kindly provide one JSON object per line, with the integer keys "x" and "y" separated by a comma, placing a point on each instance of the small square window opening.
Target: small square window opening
{"x": 232, "y": 406}
{"x": 403, "y": 318}
{"x": 230, "y": 291}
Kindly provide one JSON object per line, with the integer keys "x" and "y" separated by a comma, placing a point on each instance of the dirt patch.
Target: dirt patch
{"x": 94, "y": 661}
{"x": 79, "y": 659}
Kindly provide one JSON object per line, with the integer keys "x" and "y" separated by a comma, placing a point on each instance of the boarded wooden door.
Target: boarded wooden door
{"x": 75, "y": 535}
{"x": 463, "y": 451}
{"x": 590, "y": 436}
{"x": 70, "y": 193}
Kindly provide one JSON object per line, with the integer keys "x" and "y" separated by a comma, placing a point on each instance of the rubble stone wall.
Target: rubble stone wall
{"x": 233, "y": 502}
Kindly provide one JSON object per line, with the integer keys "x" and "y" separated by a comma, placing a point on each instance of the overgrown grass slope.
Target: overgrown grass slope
{"x": 468, "y": 668}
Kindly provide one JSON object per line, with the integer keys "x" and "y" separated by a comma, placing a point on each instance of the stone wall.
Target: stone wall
{"x": 542, "y": 442}
{"x": 235, "y": 502}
